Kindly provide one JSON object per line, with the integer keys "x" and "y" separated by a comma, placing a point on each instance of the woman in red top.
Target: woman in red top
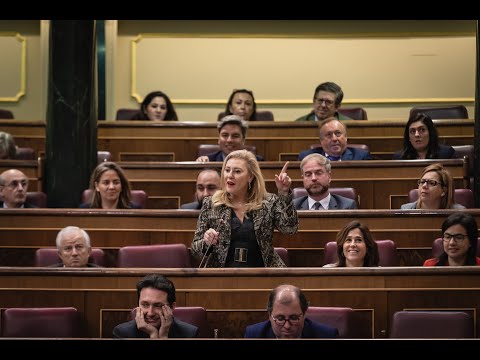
{"x": 460, "y": 233}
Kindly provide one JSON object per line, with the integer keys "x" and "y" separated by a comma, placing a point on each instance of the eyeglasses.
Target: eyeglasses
{"x": 292, "y": 319}
{"x": 430, "y": 183}
{"x": 459, "y": 238}
{"x": 14, "y": 184}
{"x": 326, "y": 101}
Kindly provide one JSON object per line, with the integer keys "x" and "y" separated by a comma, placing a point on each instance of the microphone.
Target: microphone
{"x": 210, "y": 248}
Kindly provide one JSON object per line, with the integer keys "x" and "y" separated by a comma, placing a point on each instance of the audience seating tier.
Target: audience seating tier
{"x": 271, "y": 138}
{"x": 234, "y": 298}
{"x": 24, "y": 231}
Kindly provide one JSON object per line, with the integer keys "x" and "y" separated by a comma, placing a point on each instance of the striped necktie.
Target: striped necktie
{"x": 317, "y": 206}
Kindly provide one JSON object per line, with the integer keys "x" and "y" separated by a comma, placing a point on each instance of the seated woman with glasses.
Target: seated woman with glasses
{"x": 286, "y": 308}
{"x": 356, "y": 247}
{"x": 420, "y": 141}
{"x": 435, "y": 190}
{"x": 460, "y": 234}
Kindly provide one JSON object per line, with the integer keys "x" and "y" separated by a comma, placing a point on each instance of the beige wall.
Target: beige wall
{"x": 30, "y": 105}
{"x": 385, "y": 67}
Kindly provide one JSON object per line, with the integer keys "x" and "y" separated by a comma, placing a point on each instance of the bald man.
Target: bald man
{"x": 13, "y": 189}
{"x": 208, "y": 181}
{"x": 286, "y": 309}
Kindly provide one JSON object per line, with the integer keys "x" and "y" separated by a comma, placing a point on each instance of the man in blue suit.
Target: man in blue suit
{"x": 286, "y": 309}
{"x": 333, "y": 138}
{"x": 232, "y": 133}
{"x": 316, "y": 172}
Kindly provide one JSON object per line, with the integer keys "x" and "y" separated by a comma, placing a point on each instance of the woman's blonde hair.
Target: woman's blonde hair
{"x": 256, "y": 188}
{"x": 446, "y": 182}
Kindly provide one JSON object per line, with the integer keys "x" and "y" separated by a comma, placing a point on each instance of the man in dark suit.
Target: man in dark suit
{"x": 333, "y": 138}
{"x": 73, "y": 246}
{"x": 154, "y": 314}
{"x": 208, "y": 181}
{"x": 286, "y": 309}
{"x": 232, "y": 131}
{"x": 317, "y": 174}
{"x": 13, "y": 189}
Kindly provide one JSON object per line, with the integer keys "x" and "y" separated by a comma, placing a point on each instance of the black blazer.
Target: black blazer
{"x": 444, "y": 152}
{"x": 179, "y": 329}
{"x": 25, "y": 205}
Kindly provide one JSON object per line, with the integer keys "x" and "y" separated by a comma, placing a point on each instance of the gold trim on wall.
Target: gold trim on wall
{"x": 23, "y": 67}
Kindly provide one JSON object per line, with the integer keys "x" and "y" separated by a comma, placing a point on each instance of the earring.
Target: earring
{"x": 249, "y": 186}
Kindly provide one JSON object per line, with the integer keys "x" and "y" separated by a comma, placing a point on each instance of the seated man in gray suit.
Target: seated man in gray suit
{"x": 317, "y": 175}
{"x": 333, "y": 138}
{"x": 208, "y": 181}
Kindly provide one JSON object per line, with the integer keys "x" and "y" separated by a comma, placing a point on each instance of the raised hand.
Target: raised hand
{"x": 167, "y": 319}
{"x": 142, "y": 325}
{"x": 283, "y": 181}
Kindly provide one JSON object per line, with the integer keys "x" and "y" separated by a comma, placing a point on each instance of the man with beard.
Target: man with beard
{"x": 317, "y": 174}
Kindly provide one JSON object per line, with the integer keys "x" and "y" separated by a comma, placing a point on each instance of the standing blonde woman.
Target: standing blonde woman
{"x": 235, "y": 226}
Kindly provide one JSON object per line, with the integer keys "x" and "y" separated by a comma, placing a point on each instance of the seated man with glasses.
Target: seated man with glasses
{"x": 13, "y": 189}
{"x": 327, "y": 98}
{"x": 334, "y": 143}
{"x": 154, "y": 315}
{"x": 460, "y": 241}
{"x": 286, "y": 309}
{"x": 435, "y": 190}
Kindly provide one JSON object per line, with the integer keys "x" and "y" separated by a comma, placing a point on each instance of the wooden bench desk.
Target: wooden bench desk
{"x": 235, "y": 298}
{"x": 22, "y": 231}
{"x": 381, "y": 184}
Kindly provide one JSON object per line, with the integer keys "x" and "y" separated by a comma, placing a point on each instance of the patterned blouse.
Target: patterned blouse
{"x": 277, "y": 212}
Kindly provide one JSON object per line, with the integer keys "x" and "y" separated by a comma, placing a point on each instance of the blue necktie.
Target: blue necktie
{"x": 317, "y": 206}
{"x": 333, "y": 158}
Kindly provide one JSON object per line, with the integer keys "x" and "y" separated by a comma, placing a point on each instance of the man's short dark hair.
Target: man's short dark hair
{"x": 159, "y": 282}
{"x": 330, "y": 87}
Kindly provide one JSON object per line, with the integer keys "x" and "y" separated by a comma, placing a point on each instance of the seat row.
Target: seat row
{"x": 66, "y": 322}
{"x": 355, "y": 113}
{"x": 178, "y": 255}
{"x": 140, "y": 197}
